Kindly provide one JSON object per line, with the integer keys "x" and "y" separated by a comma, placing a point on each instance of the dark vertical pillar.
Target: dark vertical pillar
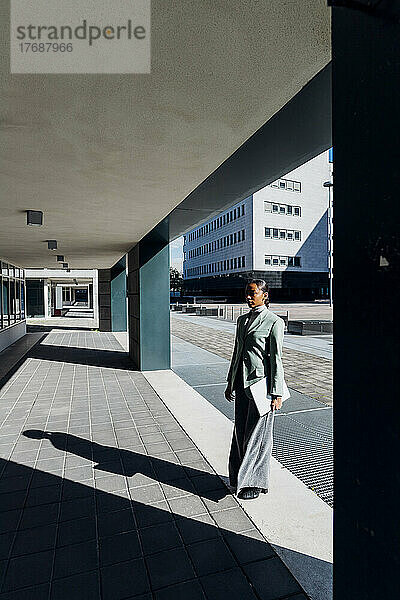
{"x": 118, "y": 296}
{"x": 104, "y": 283}
{"x": 366, "y": 125}
{"x": 148, "y": 301}
{"x": 90, "y": 296}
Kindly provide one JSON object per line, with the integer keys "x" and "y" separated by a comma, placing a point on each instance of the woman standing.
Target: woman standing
{"x": 257, "y": 359}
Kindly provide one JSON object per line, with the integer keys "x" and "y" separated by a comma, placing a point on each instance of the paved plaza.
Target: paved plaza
{"x": 304, "y": 372}
{"x": 104, "y": 496}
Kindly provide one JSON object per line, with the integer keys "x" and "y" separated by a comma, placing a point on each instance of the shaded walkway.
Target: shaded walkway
{"x": 104, "y": 496}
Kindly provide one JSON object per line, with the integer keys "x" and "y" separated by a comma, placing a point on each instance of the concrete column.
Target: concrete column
{"x": 96, "y": 299}
{"x": 118, "y": 296}
{"x": 148, "y": 301}
{"x": 366, "y": 125}
{"x": 47, "y": 313}
{"x": 104, "y": 295}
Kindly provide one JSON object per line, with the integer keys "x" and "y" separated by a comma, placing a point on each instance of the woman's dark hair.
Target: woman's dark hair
{"x": 263, "y": 286}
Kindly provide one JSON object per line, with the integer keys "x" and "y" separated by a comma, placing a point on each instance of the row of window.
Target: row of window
{"x": 11, "y": 271}
{"x": 224, "y": 242}
{"x": 282, "y": 234}
{"x": 218, "y": 267}
{"x": 287, "y": 184}
{"x": 12, "y": 295}
{"x": 282, "y": 209}
{"x": 283, "y": 261}
{"x": 217, "y": 223}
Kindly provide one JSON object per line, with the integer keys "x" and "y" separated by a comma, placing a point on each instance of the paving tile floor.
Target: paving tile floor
{"x": 103, "y": 495}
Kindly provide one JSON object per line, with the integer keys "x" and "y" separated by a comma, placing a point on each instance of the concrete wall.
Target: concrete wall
{"x": 12, "y": 334}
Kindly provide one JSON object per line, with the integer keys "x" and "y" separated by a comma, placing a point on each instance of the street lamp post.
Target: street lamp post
{"x": 329, "y": 185}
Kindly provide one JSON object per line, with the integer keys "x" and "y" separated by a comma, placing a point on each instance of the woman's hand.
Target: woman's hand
{"x": 276, "y": 403}
{"x": 229, "y": 395}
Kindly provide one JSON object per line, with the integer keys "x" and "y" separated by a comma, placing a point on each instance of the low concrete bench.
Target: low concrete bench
{"x": 189, "y": 309}
{"x": 205, "y": 311}
{"x": 316, "y": 327}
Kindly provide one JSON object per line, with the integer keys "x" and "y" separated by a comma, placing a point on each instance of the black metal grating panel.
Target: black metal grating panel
{"x": 303, "y": 443}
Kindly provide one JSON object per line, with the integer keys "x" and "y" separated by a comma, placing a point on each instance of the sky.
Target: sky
{"x": 176, "y": 254}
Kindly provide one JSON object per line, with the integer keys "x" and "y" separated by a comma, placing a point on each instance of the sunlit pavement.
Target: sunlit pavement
{"x": 103, "y": 494}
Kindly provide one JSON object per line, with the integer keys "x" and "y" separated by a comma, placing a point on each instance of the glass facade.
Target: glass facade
{"x": 12, "y": 294}
{"x": 34, "y": 298}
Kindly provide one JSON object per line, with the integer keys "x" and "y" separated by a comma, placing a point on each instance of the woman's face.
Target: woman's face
{"x": 254, "y": 296}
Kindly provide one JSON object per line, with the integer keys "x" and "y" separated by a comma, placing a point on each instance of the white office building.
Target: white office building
{"x": 280, "y": 233}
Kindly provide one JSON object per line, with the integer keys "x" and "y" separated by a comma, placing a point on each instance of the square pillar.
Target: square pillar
{"x": 104, "y": 295}
{"x": 46, "y": 299}
{"x": 148, "y": 301}
{"x": 119, "y": 296}
{"x": 366, "y": 124}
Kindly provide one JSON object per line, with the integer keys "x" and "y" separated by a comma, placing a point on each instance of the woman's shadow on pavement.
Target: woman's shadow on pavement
{"x": 124, "y": 462}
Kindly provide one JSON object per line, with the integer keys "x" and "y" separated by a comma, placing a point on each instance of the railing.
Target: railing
{"x": 226, "y": 312}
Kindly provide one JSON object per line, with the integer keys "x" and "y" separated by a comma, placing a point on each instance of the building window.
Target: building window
{"x": 287, "y": 184}
{"x": 297, "y": 261}
{"x": 283, "y": 261}
{"x": 267, "y": 260}
{"x": 282, "y": 209}
{"x": 275, "y": 233}
{"x": 242, "y": 210}
{"x": 243, "y": 261}
{"x": 282, "y": 234}
{"x": 275, "y": 261}
{"x": 289, "y": 235}
{"x": 297, "y": 235}
{"x": 12, "y": 295}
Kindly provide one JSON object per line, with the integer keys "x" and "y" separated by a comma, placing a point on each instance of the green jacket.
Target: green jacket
{"x": 259, "y": 351}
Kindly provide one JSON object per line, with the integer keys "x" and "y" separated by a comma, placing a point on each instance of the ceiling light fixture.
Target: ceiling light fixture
{"x": 34, "y": 217}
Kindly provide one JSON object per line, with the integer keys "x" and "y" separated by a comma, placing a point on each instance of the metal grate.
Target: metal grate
{"x": 303, "y": 443}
